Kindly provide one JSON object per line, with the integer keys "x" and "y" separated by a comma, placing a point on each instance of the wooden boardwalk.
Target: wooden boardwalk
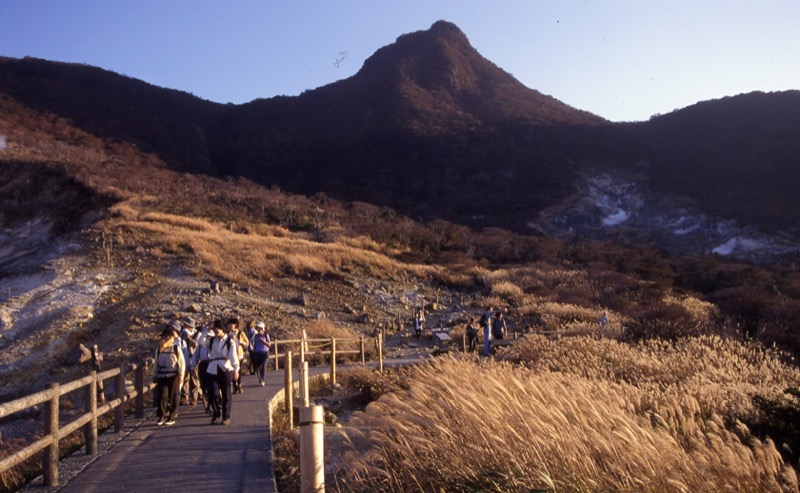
{"x": 191, "y": 455}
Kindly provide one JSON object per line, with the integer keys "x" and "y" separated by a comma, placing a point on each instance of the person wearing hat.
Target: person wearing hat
{"x": 223, "y": 369}
{"x": 191, "y": 381}
{"x": 261, "y": 345}
{"x": 168, "y": 371}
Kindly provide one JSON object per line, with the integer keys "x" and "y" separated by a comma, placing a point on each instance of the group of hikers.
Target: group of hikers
{"x": 206, "y": 364}
{"x": 494, "y": 327}
{"x": 493, "y": 324}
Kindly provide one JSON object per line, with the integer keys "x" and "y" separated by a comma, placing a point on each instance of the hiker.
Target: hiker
{"x": 472, "y": 335}
{"x": 419, "y": 322}
{"x": 261, "y": 344}
{"x": 168, "y": 371}
{"x": 240, "y": 340}
{"x": 603, "y": 320}
{"x": 223, "y": 369}
{"x": 499, "y": 327}
{"x": 191, "y": 381}
{"x": 486, "y": 324}
{"x": 200, "y": 363}
{"x": 97, "y": 360}
{"x": 251, "y": 334}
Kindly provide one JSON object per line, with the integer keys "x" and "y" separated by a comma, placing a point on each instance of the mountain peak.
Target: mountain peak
{"x": 437, "y": 76}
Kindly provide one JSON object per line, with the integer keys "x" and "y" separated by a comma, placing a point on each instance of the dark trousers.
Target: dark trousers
{"x": 219, "y": 393}
{"x": 260, "y": 361}
{"x": 252, "y": 356}
{"x": 472, "y": 341}
{"x": 203, "y": 377}
{"x": 166, "y": 396}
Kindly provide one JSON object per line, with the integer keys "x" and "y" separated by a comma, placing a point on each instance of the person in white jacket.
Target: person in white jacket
{"x": 223, "y": 369}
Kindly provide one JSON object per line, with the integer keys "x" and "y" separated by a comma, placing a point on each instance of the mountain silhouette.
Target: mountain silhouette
{"x": 430, "y": 127}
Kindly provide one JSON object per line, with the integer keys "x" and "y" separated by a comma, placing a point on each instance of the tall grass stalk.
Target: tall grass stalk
{"x": 460, "y": 425}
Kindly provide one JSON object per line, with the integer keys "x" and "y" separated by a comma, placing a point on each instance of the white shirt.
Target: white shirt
{"x": 222, "y": 355}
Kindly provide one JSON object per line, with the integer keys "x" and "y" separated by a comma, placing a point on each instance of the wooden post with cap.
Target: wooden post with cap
{"x": 312, "y": 465}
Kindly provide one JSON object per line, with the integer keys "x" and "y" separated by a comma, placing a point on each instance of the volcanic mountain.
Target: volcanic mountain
{"x": 433, "y": 129}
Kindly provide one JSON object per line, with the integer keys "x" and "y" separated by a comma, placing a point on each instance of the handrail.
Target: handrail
{"x": 331, "y": 343}
{"x": 55, "y": 430}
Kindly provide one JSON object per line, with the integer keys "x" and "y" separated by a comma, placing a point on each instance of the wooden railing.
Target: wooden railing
{"x": 329, "y": 348}
{"x": 55, "y": 430}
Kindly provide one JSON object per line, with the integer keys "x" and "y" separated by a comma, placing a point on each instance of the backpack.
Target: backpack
{"x": 484, "y": 320}
{"x": 168, "y": 369}
{"x": 210, "y": 340}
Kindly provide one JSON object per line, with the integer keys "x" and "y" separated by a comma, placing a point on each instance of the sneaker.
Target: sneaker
{"x": 170, "y": 422}
{"x": 226, "y": 421}
{"x": 262, "y": 384}
{"x": 161, "y": 421}
{"x": 193, "y": 402}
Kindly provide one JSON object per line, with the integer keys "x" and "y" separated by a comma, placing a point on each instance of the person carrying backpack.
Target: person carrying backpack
{"x": 499, "y": 327}
{"x": 168, "y": 371}
{"x": 261, "y": 344}
{"x": 191, "y": 381}
{"x": 223, "y": 369}
{"x": 200, "y": 363}
{"x": 240, "y": 341}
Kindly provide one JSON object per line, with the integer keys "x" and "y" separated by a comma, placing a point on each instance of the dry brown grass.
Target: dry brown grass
{"x": 463, "y": 426}
{"x": 250, "y": 254}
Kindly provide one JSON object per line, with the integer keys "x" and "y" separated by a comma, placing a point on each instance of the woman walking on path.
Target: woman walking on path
{"x": 168, "y": 372}
{"x": 261, "y": 345}
{"x": 223, "y": 369}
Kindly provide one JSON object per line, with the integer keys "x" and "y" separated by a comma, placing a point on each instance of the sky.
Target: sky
{"x": 622, "y": 60}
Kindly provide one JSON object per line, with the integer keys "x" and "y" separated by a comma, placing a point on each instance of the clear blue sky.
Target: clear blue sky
{"x": 622, "y": 60}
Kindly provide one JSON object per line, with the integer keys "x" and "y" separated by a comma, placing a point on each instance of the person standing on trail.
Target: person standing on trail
{"x": 261, "y": 344}
{"x": 472, "y": 335}
{"x": 240, "y": 340}
{"x": 223, "y": 369}
{"x": 419, "y": 322}
{"x": 168, "y": 371}
{"x": 191, "y": 381}
{"x": 486, "y": 324}
{"x": 97, "y": 360}
{"x": 251, "y": 335}
{"x": 200, "y": 362}
{"x": 499, "y": 327}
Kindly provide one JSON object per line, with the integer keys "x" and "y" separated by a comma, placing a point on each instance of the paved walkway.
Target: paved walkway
{"x": 191, "y": 455}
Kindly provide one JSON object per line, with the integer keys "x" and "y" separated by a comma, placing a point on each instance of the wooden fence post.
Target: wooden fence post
{"x": 50, "y": 465}
{"x": 119, "y": 412}
{"x": 304, "y": 391}
{"x": 361, "y": 348}
{"x": 90, "y": 430}
{"x": 139, "y": 386}
{"x": 333, "y": 361}
{"x": 380, "y": 353}
{"x": 312, "y": 465}
{"x": 287, "y": 389}
{"x": 464, "y": 341}
{"x": 277, "y": 364}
